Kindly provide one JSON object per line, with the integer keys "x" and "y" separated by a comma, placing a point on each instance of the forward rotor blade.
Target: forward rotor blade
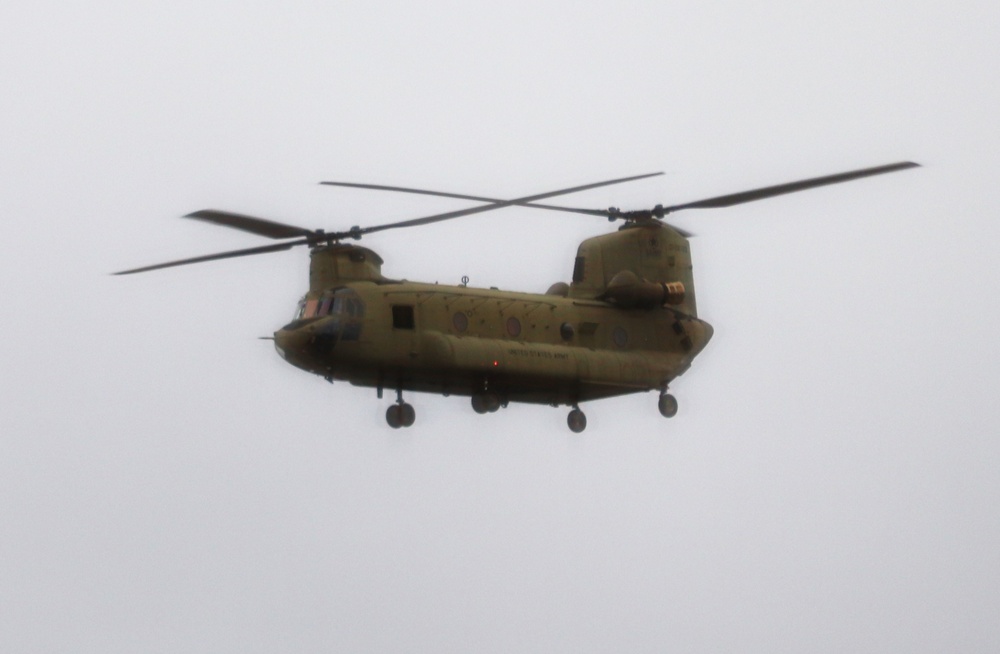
{"x": 480, "y": 209}
{"x": 460, "y": 196}
{"x": 251, "y": 224}
{"x": 221, "y": 255}
{"x": 791, "y": 187}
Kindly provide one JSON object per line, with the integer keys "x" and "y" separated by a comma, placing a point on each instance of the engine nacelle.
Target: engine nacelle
{"x": 629, "y": 292}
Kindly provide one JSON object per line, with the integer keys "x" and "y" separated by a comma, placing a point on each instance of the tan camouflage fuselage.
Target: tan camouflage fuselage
{"x": 627, "y": 324}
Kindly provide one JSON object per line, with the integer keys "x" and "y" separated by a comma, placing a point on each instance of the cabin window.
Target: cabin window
{"x": 460, "y": 322}
{"x": 578, "y": 270}
{"x": 311, "y": 306}
{"x": 566, "y": 331}
{"x": 402, "y": 316}
{"x": 620, "y": 336}
{"x": 513, "y": 327}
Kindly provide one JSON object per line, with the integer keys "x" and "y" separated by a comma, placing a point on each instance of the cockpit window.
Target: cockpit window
{"x": 345, "y": 302}
{"x": 342, "y": 302}
{"x": 343, "y": 309}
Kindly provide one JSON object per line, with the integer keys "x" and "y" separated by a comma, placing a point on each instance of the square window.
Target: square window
{"x": 402, "y": 316}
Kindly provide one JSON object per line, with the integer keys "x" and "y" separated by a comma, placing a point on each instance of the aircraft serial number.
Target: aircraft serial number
{"x": 536, "y": 354}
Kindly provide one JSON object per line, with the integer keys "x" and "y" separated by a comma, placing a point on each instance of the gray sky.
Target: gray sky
{"x": 168, "y": 484}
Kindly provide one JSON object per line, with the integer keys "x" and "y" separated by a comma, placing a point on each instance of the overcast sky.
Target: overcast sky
{"x": 169, "y": 484}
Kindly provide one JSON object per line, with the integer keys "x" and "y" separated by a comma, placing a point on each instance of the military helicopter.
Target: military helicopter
{"x": 627, "y": 322}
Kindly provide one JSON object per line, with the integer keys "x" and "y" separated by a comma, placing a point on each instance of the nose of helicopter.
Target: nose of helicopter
{"x": 290, "y": 342}
{"x": 701, "y": 334}
{"x": 709, "y": 330}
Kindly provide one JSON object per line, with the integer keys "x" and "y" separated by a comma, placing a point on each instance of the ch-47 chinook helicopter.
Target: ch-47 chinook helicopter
{"x": 627, "y": 323}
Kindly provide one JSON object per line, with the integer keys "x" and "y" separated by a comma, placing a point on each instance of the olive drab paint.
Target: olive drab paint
{"x": 557, "y": 348}
{"x": 627, "y": 322}
{"x": 653, "y": 251}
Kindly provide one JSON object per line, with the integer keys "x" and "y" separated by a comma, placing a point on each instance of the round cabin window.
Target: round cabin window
{"x": 620, "y": 336}
{"x": 566, "y": 331}
{"x": 460, "y": 322}
{"x": 513, "y": 327}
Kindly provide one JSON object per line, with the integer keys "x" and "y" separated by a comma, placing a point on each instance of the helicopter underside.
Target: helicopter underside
{"x": 495, "y": 382}
{"x": 527, "y": 389}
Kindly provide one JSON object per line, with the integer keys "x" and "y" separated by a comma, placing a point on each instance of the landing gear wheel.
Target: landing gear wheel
{"x": 406, "y": 414}
{"x": 394, "y": 416}
{"x": 400, "y": 415}
{"x": 576, "y": 420}
{"x": 485, "y": 403}
{"x": 478, "y": 405}
{"x": 668, "y": 405}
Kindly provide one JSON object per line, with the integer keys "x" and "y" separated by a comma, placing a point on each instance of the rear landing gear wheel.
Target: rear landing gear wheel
{"x": 576, "y": 420}
{"x": 668, "y": 405}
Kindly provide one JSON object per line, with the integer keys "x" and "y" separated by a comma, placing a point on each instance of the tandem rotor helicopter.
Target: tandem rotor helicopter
{"x": 627, "y": 322}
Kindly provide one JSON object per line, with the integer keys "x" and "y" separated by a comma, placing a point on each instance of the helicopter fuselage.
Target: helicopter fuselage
{"x": 517, "y": 347}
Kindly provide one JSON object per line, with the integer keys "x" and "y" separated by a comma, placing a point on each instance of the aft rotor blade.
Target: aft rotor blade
{"x": 252, "y": 224}
{"x": 460, "y": 196}
{"x": 791, "y": 187}
{"x": 221, "y": 255}
{"x": 480, "y": 209}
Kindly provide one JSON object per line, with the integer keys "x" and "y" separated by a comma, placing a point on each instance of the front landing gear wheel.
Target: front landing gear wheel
{"x": 576, "y": 420}
{"x": 668, "y": 405}
{"x": 400, "y": 415}
{"x": 407, "y": 414}
{"x": 394, "y": 416}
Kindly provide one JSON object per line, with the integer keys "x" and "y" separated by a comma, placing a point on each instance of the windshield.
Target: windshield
{"x": 343, "y": 302}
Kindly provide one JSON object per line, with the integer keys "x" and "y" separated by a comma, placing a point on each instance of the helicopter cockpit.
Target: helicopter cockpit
{"x": 341, "y": 304}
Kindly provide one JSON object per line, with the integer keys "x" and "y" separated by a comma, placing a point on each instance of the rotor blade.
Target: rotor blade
{"x": 477, "y": 198}
{"x": 791, "y": 187}
{"x": 251, "y": 224}
{"x": 212, "y": 257}
{"x": 480, "y": 209}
